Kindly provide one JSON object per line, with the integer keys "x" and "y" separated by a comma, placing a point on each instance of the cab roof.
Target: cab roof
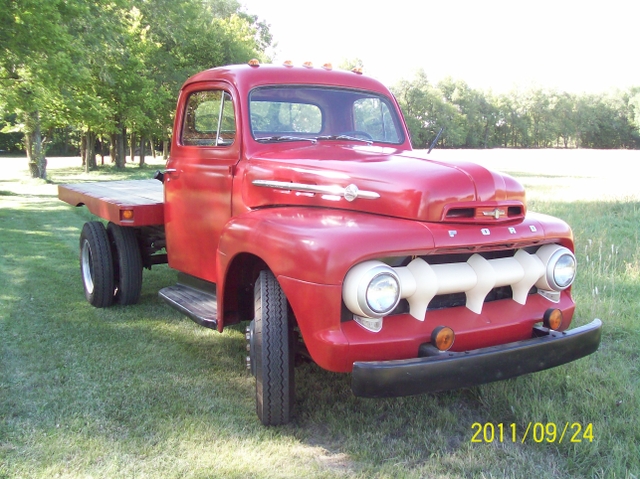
{"x": 246, "y": 77}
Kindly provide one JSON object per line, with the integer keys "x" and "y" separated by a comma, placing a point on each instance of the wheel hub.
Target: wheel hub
{"x": 250, "y": 359}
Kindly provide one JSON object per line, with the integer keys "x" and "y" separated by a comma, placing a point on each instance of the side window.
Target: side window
{"x": 372, "y": 115}
{"x": 209, "y": 119}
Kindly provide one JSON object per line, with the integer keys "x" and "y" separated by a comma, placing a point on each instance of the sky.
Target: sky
{"x": 498, "y": 45}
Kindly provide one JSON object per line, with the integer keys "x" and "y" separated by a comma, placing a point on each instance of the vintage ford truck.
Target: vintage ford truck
{"x": 292, "y": 199}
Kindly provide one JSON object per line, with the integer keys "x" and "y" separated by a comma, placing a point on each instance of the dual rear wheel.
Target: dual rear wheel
{"x": 110, "y": 264}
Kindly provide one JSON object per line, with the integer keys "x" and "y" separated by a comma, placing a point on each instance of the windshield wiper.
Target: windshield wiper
{"x": 344, "y": 137}
{"x": 286, "y": 138}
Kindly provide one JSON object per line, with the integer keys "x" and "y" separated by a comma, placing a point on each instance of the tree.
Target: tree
{"x": 37, "y": 57}
{"x": 426, "y": 111}
{"x": 349, "y": 64}
{"x": 105, "y": 67}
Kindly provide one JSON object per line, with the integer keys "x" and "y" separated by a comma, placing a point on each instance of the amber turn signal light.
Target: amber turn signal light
{"x": 552, "y": 318}
{"x": 126, "y": 215}
{"x": 442, "y": 338}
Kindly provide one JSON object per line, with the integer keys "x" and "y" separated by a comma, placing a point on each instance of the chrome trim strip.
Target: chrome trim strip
{"x": 350, "y": 192}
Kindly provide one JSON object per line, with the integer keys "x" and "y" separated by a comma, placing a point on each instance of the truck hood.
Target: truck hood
{"x": 386, "y": 181}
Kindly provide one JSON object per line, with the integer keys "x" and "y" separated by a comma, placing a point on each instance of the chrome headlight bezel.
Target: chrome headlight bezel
{"x": 558, "y": 261}
{"x": 359, "y": 284}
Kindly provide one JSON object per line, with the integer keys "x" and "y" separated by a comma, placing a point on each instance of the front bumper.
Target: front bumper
{"x": 452, "y": 370}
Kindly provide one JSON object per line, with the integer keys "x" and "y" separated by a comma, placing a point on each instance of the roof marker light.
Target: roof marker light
{"x": 288, "y": 63}
{"x": 254, "y": 62}
{"x": 308, "y": 64}
{"x": 357, "y": 70}
{"x": 327, "y": 66}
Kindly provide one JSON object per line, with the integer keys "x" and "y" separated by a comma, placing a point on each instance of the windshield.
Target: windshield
{"x": 320, "y": 113}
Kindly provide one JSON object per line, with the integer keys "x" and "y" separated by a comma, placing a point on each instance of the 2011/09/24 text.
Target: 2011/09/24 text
{"x": 539, "y": 432}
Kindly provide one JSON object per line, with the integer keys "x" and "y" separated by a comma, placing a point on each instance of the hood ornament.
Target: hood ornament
{"x": 496, "y": 213}
{"x": 350, "y": 192}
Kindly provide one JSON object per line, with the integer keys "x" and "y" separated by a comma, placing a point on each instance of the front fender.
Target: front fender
{"x": 318, "y": 245}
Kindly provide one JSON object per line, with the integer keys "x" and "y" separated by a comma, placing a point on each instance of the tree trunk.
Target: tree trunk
{"x": 90, "y": 163}
{"x": 125, "y": 144}
{"x": 153, "y": 148}
{"x": 34, "y": 147}
{"x": 101, "y": 150}
{"x": 112, "y": 147}
{"x": 121, "y": 146}
{"x": 142, "y": 150}
{"x": 165, "y": 149}
{"x": 83, "y": 149}
{"x": 132, "y": 145}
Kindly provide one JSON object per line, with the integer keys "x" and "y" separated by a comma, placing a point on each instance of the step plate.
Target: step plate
{"x": 198, "y": 305}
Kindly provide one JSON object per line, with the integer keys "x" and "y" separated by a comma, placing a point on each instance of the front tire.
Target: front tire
{"x": 96, "y": 265}
{"x": 127, "y": 264}
{"x": 272, "y": 352}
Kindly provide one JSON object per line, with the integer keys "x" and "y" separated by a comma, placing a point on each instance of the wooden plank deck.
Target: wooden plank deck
{"x": 110, "y": 199}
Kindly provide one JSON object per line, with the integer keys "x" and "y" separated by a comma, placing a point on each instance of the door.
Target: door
{"x": 199, "y": 177}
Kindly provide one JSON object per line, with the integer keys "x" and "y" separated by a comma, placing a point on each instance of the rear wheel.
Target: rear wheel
{"x": 271, "y": 352}
{"x": 96, "y": 266}
{"x": 127, "y": 264}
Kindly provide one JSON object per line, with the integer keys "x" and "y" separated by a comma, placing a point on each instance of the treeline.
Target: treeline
{"x": 84, "y": 75}
{"x": 109, "y": 71}
{"x": 535, "y": 118}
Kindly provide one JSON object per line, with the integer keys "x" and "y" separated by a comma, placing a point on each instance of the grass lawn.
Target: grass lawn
{"x": 143, "y": 392}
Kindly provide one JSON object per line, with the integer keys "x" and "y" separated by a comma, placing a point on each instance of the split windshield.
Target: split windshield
{"x": 313, "y": 113}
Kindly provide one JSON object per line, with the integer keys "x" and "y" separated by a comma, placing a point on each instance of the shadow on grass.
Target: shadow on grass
{"x": 142, "y": 379}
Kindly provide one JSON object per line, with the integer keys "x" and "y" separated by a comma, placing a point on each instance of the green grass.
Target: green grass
{"x": 143, "y": 392}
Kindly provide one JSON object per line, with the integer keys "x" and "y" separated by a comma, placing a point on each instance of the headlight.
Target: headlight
{"x": 564, "y": 271}
{"x": 560, "y": 267}
{"x": 382, "y": 293}
{"x": 371, "y": 289}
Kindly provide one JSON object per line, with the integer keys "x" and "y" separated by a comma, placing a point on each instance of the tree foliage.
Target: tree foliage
{"x": 111, "y": 68}
{"x": 535, "y": 118}
{"x": 110, "y": 71}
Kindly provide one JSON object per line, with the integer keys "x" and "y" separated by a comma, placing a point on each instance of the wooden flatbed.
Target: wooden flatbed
{"x": 125, "y": 203}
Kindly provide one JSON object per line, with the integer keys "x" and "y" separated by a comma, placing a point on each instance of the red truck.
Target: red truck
{"x": 293, "y": 200}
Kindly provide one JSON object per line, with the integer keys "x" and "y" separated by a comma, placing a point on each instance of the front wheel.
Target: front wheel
{"x": 271, "y": 351}
{"x": 96, "y": 265}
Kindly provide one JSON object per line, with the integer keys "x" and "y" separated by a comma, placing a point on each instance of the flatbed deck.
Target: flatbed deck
{"x": 126, "y": 203}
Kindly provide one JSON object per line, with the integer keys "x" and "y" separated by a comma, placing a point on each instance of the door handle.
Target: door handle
{"x": 171, "y": 173}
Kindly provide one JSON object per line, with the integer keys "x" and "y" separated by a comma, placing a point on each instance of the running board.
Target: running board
{"x": 200, "y": 306}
